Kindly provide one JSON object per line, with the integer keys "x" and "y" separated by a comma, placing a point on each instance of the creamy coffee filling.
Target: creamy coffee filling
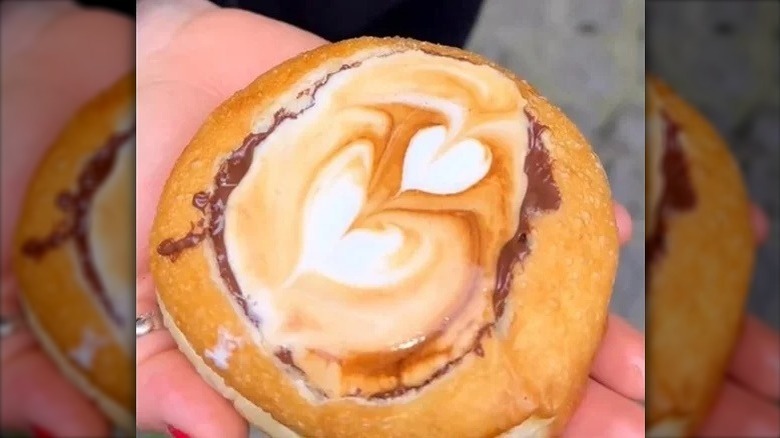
{"x": 97, "y": 214}
{"x": 671, "y": 189}
{"x": 370, "y": 226}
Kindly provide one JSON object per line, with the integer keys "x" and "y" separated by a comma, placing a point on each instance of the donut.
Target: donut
{"x": 73, "y": 252}
{"x": 699, "y": 259}
{"x": 385, "y": 237}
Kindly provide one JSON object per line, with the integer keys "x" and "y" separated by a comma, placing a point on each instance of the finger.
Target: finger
{"x": 190, "y": 59}
{"x": 52, "y": 74}
{"x": 760, "y": 224}
{"x": 175, "y": 395}
{"x": 9, "y": 301}
{"x": 737, "y": 412}
{"x": 35, "y": 394}
{"x": 620, "y": 360}
{"x": 604, "y": 413}
{"x": 623, "y": 220}
{"x": 756, "y": 359}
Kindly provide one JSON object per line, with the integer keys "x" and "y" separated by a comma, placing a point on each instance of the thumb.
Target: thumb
{"x": 34, "y": 395}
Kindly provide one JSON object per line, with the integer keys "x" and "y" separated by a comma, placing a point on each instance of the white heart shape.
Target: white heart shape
{"x": 337, "y": 197}
{"x": 361, "y": 258}
{"x": 459, "y": 168}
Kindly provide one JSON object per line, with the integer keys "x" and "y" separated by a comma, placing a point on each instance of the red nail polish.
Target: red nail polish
{"x": 176, "y": 433}
{"x": 39, "y": 432}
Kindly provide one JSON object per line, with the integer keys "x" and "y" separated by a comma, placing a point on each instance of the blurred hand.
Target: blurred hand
{"x": 56, "y": 56}
{"x": 748, "y": 402}
{"x": 191, "y": 57}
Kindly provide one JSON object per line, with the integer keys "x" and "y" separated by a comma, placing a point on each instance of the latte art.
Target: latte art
{"x": 431, "y": 167}
{"x": 381, "y": 204}
{"x": 365, "y": 226}
{"x": 336, "y": 246}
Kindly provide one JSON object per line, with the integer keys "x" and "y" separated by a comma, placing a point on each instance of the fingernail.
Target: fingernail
{"x": 39, "y": 432}
{"x": 176, "y": 433}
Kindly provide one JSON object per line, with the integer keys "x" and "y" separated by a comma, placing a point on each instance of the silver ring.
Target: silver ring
{"x": 147, "y": 323}
{"x": 10, "y": 325}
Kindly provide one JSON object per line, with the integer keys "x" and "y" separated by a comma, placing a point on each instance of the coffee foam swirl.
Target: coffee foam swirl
{"x": 366, "y": 233}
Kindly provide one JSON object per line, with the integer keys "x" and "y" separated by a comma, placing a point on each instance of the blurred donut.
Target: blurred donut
{"x": 700, "y": 253}
{"x": 73, "y": 251}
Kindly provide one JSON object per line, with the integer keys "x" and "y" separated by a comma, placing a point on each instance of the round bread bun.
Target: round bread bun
{"x": 73, "y": 252}
{"x": 347, "y": 248}
{"x": 700, "y": 258}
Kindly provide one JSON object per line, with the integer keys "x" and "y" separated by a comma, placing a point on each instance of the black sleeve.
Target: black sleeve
{"x": 446, "y": 22}
{"x": 126, "y": 7}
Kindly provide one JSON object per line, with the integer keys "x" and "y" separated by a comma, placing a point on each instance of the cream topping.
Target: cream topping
{"x": 84, "y": 353}
{"x": 370, "y": 225}
{"x": 222, "y": 351}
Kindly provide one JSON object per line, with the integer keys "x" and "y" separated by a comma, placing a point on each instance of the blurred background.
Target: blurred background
{"x": 724, "y": 58}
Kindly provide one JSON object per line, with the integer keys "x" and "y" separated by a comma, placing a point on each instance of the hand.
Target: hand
{"x": 610, "y": 407}
{"x": 55, "y": 57}
{"x": 191, "y": 57}
{"x": 748, "y": 402}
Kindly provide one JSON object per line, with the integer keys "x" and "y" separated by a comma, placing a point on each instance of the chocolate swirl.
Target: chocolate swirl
{"x": 408, "y": 201}
{"x": 676, "y": 189}
{"x": 76, "y": 226}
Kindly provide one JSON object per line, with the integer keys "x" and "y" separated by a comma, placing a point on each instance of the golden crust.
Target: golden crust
{"x": 52, "y": 288}
{"x": 698, "y": 288}
{"x": 538, "y": 368}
